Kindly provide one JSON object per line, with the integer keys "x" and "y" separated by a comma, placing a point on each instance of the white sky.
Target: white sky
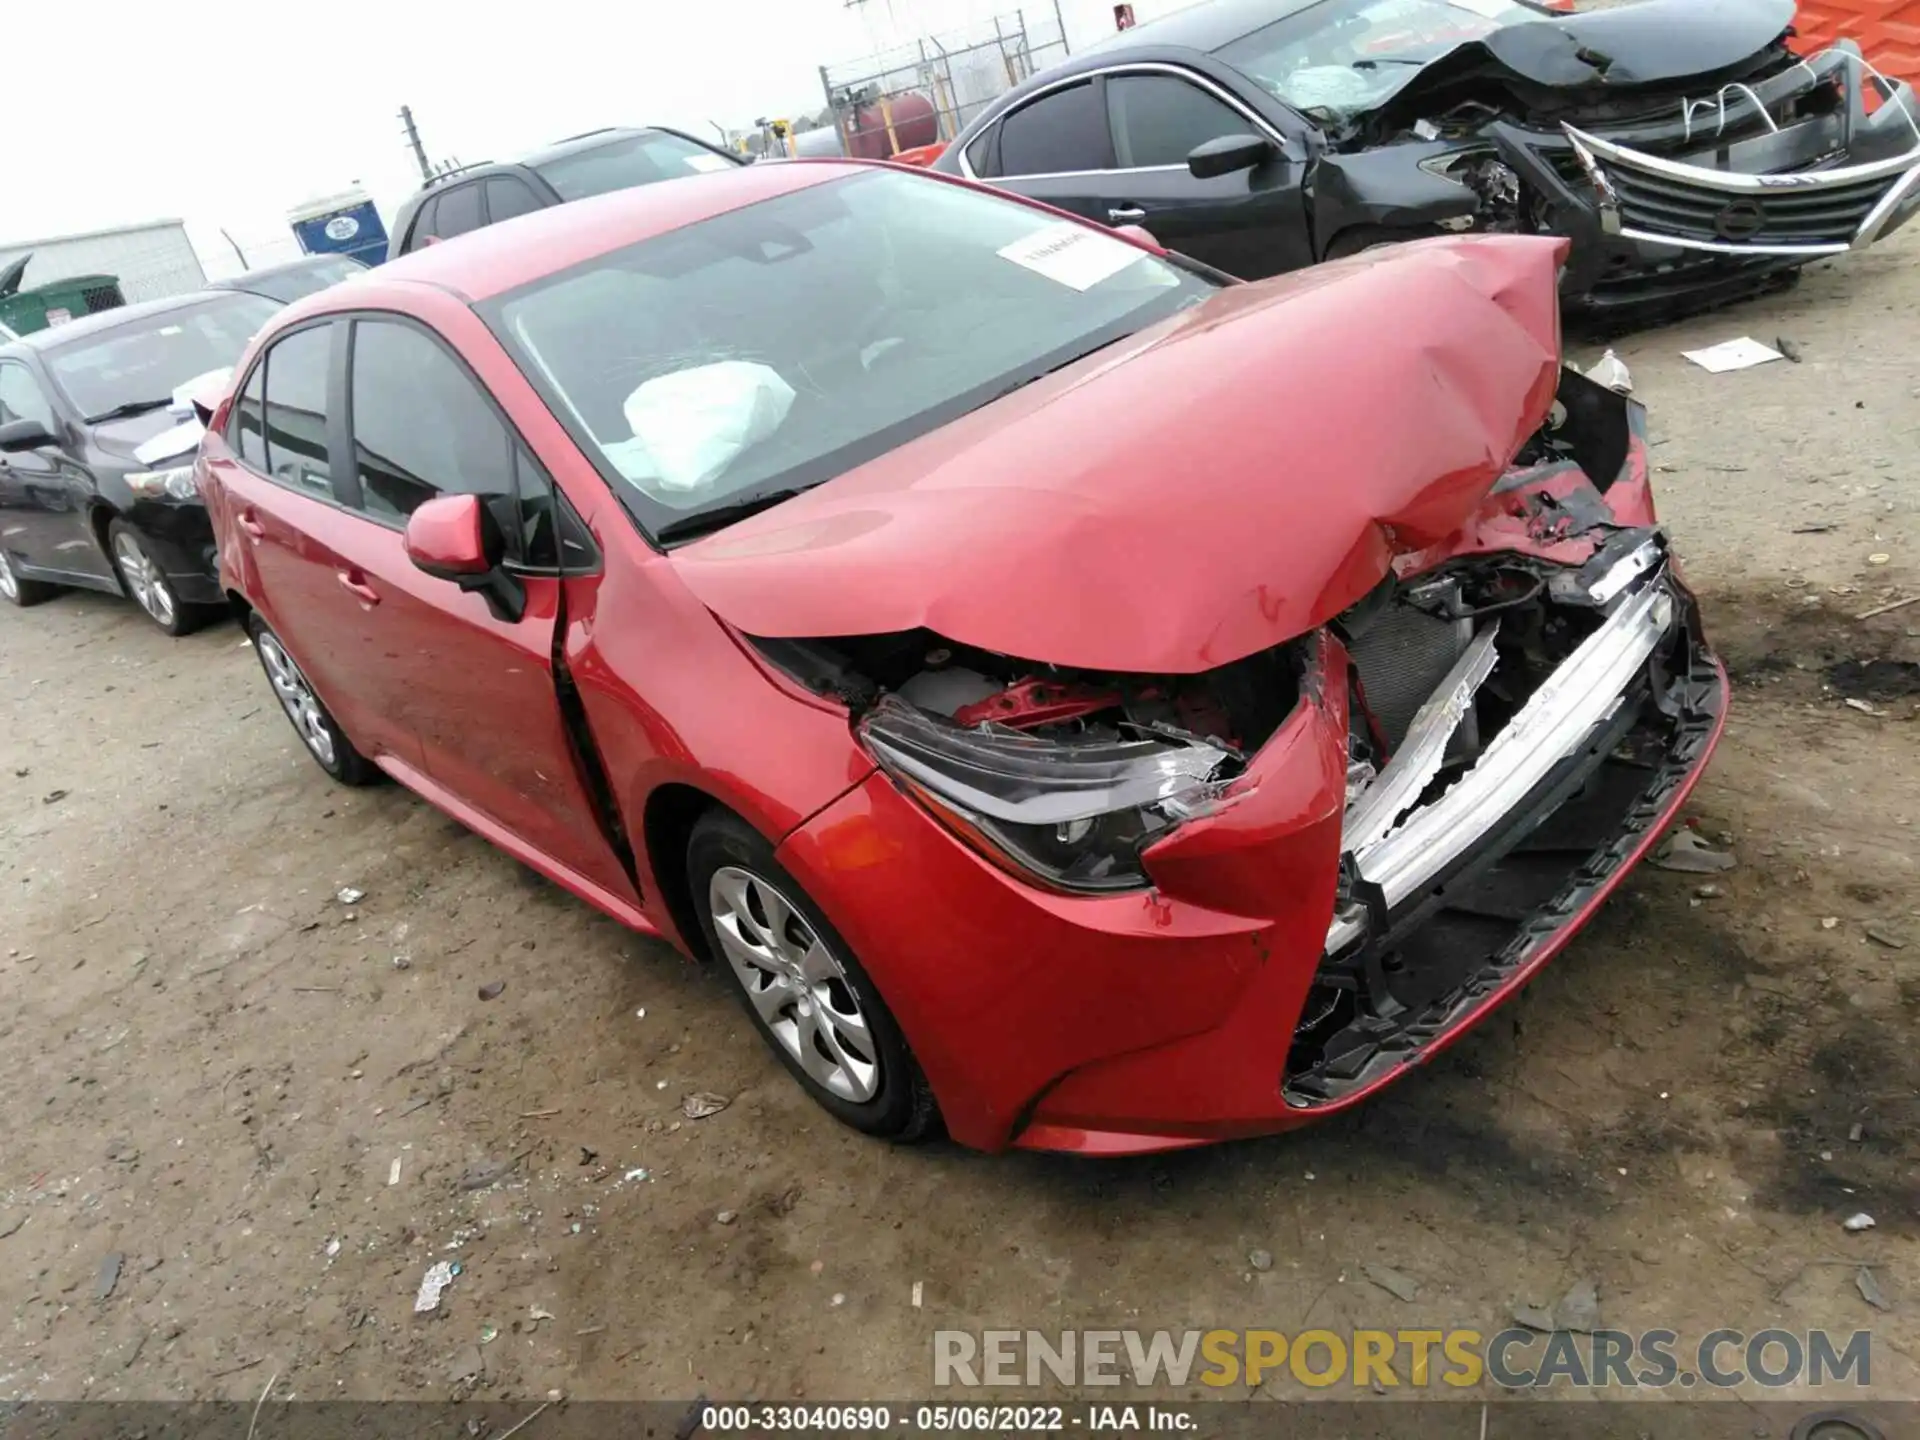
{"x": 227, "y": 112}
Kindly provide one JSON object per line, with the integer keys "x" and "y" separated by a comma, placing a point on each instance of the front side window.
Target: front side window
{"x": 246, "y": 430}
{"x": 508, "y": 197}
{"x": 421, "y": 427}
{"x": 20, "y": 397}
{"x": 1060, "y": 132}
{"x": 135, "y": 367}
{"x": 631, "y": 160}
{"x": 1341, "y": 58}
{"x": 774, "y": 346}
{"x": 1160, "y": 120}
{"x": 296, "y": 410}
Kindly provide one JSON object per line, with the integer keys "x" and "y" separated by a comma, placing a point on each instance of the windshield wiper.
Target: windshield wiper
{"x": 129, "y": 407}
{"x": 1375, "y": 63}
{"x": 702, "y": 522}
{"x": 1026, "y": 380}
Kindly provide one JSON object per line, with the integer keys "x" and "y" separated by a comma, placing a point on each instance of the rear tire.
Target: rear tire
{"x": 806, "y": 994}
{"x": 326, "y": 742}
{"x": 16, "y": 590}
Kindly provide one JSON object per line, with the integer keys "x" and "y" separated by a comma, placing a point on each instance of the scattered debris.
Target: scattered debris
{"x": 490, "y": 1172}
{"x": 508, "y": 1434}
{"x": 1611, "y": 371}
{"x": 1741, "y": 354}
{"x": 587, "y": 1157}
{"x": 1401, "y": 1287}
{"x": 1853, "y": 703}
{"x": 333, "y": 1247}
{"x": 1856, "y": 1132}
{"x": 1854, "y": 1224}
{"x": 726, "y": 1217}
{"x": 700, "y": 1105}
{"x": 1686, "y": 852}
{"x": 493, "y": 991}
{"x": 489, "y": 1334}
{"x": 109, "y": 1275}
{"x": 402, "y": 962}
{"x": 1814, "y": 529}
{"x": 1879, "y": 557}
{"x": 350, "y": 896}
{"x": 432, "y": 1285}
{"x": 1534, "y": 1318}
{"x": 640, "y": 1172}
{"x": 393, "y": 1171}
{"x": 1869, "y": 1289}
{"x": 1890, "y": 605}
{"x": 1260, "y": 1259}
{"x": 537, "y": 1114}
{"x": 468, "y": 1364}
{"x": 1885, "y": 935}
{"x": 1788, "y": 350}
{"x": 53, "y": 797}
{"x": 839, "y": 1298}
{"x": 1827, "y": 922}
{"x": 1579, "y": 1308}
{"x": 14, "y": 1229}
{"x": 537, "y": 1314}
{"x": 919, "y": 1293}
{"x": 1709, "y": 892}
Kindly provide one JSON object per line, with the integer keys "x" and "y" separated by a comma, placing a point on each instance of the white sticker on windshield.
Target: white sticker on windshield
{"x": 704, "y": 163}
{"x": 1072, "y": 255}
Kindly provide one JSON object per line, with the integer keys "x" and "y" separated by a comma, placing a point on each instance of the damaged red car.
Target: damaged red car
{"x": 1079, "y": 701}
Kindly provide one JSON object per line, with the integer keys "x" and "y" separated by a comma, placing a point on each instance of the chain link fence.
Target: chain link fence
{"x": 897, "y": 101}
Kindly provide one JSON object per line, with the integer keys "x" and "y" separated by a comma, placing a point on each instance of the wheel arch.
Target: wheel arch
{"x": 666, "y": 826}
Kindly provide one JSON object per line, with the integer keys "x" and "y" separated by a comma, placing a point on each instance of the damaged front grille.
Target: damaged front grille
{"x": 1596, "y": 697}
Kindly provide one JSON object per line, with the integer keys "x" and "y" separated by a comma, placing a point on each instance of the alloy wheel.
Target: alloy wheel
{"x": 297, "y": 699}
{"x": 143, "y": 577}
{"x": 795, "y": 982}
{"x": 9, "y": 582}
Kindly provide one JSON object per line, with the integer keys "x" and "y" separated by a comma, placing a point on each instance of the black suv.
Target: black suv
{"x": 590, "y": 164}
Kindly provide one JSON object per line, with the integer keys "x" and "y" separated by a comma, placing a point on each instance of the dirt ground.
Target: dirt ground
{"x": 215, "y": 1069}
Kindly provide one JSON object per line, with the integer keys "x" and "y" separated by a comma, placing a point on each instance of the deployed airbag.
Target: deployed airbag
{"x": 688, "y": 427}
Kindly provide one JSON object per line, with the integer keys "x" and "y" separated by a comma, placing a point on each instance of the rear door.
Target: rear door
{"x": 480, "y": 691}
{"x": 44, "y": 491}
{"x": 313, "y": 557}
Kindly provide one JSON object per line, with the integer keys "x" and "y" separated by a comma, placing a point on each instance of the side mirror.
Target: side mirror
{"x": 455, "y": 537}
{"x": 18, "y": 435}
{"x": 1225, "y": 154}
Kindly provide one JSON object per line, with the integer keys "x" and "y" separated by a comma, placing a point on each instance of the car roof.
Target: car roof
{"x": 497, "y": 258}
{"x": 1205, "y": 27}
{"x": 53, "y": 337}
{"x": 285, "y": 267}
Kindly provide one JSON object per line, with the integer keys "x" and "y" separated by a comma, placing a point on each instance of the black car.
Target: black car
{"x": 582, "y": 165}
{"x": 96, "y": 454}
{"x": 1686, "y": 151}
{"x": 293, "y": 280}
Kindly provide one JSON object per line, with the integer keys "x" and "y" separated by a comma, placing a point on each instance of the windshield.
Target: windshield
{"x": 770, "y": 348}
{"x": 290, "y": 285}
{"x": 1344, "y": 57}
{"x": 142, "y": 361}
{"x": 630, "y": 160}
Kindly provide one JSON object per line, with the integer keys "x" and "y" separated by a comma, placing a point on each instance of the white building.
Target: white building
{"x": 152, "y": 261}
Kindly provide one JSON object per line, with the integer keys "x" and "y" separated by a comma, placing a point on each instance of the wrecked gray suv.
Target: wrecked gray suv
{"x": 1688, "y": 153}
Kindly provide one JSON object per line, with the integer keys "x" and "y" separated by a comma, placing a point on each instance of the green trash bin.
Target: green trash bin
{"x": 24, "y": 311}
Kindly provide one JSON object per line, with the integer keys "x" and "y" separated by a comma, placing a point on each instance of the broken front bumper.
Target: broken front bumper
{"x": 1731, "y": 191}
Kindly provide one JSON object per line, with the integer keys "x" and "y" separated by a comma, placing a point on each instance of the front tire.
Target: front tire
{"x": 17, "y": 590}
{"x": 326, "y": 742}
{"x": 147, "y": 585}
{"x": 808, "y": 997}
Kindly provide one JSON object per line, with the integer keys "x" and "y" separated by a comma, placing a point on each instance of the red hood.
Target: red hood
{"x": 1224, "y": 481}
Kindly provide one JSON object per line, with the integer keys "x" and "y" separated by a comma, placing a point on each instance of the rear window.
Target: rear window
{"x": 139, "y": 364}
{"x": 630, "y": 160}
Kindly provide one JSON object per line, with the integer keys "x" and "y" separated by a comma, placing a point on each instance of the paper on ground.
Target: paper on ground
{"x": 1733, "y": 355}
{"x": 1071, "y": 254}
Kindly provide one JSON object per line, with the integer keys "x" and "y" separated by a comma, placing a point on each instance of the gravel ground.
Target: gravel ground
{"x": 278, "y": 1110}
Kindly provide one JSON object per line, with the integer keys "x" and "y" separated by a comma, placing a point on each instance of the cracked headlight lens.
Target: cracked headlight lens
{"x": 175, "y": 483}
{"x": 1074, "y": 814}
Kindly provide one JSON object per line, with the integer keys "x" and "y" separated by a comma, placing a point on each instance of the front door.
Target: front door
{"x": 43, "y": 491}
{"x": 479, "y": 688}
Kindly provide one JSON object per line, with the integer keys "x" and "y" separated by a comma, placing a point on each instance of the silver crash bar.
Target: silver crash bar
{"x": 1582, "y": 693}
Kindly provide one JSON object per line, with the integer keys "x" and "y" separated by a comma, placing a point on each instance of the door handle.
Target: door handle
{"x": 354, "y": 582}
{"x": 1126, "y": 215}
{"x": 252, "y": 527}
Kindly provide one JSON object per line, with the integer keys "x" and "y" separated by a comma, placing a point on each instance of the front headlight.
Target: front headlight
{"x": 177, "y": 483}
{"x": 1075, "y": 814}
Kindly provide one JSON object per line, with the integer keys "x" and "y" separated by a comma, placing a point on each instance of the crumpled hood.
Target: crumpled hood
{"x": 1645, "y": 43}
{"x": 1218, "y": 484}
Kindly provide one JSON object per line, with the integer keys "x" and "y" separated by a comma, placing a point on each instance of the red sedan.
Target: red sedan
{"x": 1080, "y": 701}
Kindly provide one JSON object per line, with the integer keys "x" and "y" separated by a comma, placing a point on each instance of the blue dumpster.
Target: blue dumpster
{"x": 345, "y": 224}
